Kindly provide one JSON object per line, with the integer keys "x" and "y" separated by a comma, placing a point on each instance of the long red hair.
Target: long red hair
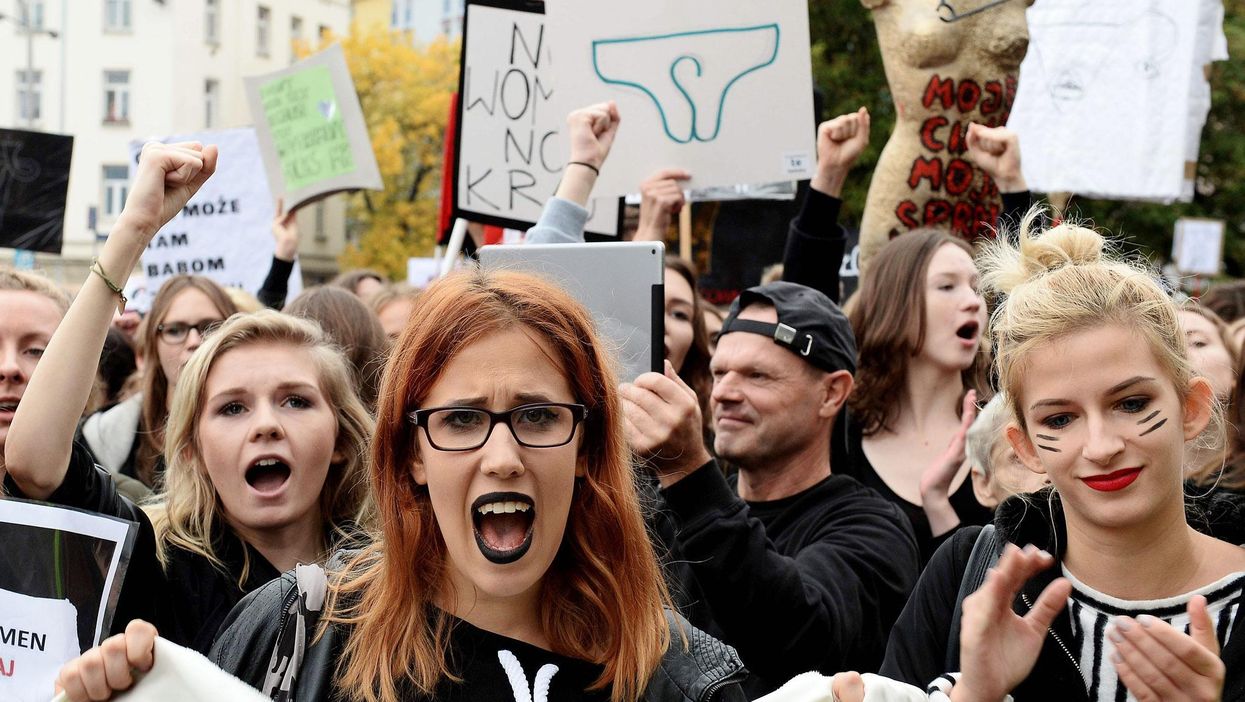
{"x": 603, "y": 595}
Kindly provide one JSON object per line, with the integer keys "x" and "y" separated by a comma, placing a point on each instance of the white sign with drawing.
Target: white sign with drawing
{"x": 1198, "y": 246}
{"x": 1103, "y": 101}
{"x": 511, "y": 141}
{"x": 721, "y": 88}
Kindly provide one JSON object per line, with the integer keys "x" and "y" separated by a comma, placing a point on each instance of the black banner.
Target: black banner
{"x": 34, "y": 182}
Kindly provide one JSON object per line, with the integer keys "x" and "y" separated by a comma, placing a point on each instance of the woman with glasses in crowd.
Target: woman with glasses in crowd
{"x": 511, "y": 560}
{"x": 264, "y": 442}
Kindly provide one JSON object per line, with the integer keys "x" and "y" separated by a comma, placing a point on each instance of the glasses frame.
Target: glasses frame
{"x": 420, "y": 417}
{"x": 202, "y": 326}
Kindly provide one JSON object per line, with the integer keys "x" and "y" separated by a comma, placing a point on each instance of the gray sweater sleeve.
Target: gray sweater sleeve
{"x": 561, "y": 222}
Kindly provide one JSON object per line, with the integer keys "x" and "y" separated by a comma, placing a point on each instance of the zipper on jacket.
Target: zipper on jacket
{"x": 712, "y": 690}
{"x": 1058, "y": 640}
{"x": 286, "y": 603}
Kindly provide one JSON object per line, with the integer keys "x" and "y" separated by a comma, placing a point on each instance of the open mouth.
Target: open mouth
{"x": 268, "y": 475}
{"x": 503, "y": 524}
{"x": 967, "y": 331}
{"x": 8, "y": 406}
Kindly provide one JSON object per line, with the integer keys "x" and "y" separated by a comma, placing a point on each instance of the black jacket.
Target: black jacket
{"x": 186, "y": 600}
{"x": 918, "y": 644}
{"x": 707, "y": 671}
{"x": 809, "y": 582}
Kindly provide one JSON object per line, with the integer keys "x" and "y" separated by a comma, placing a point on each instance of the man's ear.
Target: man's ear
{"x": 836, "y": 387}
{"x": 1198, "y": 402}
{"x": 1024, "y": 449}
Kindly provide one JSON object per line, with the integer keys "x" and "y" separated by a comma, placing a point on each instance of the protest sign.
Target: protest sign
{"x": 185, "y": 675}
{"x": 34, "y": 182}
{"x": 721, "y": 88}
{"x": 510, "y": 144}
{"x": 1198, "y": 246}
{"x": 225, "y": 231}
{"x": 1104, "y": 102}
{"x": 60, "y": 576}
{"x": 311, "y": 130}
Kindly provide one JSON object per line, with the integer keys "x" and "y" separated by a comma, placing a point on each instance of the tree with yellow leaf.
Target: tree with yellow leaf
{"x": 405, "y": 91}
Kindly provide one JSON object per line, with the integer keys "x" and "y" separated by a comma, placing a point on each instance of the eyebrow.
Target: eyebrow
{"x": 522, "y": 397}
{"x": 231, "y": 392}
{"x": 1112, "y": 391}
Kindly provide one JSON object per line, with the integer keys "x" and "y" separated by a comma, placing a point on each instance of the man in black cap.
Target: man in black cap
{"x": 800, "y": 569}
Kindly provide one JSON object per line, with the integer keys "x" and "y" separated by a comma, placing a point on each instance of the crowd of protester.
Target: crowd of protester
{"x": 1007, "y": 469}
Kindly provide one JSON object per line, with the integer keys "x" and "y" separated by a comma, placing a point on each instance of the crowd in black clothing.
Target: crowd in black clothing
{"x": 972, "y": 503}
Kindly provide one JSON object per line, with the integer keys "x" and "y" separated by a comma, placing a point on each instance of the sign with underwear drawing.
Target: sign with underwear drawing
{"x": 510, "y": 147}
{"x": 1107, "y": 94}
{"x": 721, "y": 88}
{"x": 60, "y": 577}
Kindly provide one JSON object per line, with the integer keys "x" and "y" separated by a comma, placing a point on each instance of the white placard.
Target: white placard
{"x": 721, "y": 88}
{"x": 1198, "y": 246}
{"x": 60, "y": 574}
{"x": 225, "y": 231}
{"x": 421, "y": 271}
{"x": 187, "y": 676}
{"x": 512, "y": 146}
{"x": 1103, "y": 104}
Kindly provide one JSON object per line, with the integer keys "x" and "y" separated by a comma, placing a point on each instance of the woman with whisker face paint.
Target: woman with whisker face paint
{"x": 1112, "y": 584}
{"x": 511, "y": 560}
{"x": 264, "y": 441}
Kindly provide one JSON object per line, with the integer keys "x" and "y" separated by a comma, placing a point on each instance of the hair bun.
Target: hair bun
{"x": 1007, "y": 266}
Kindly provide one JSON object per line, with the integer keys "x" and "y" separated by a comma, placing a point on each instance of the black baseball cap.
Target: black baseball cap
{"x": 809, "y": 324}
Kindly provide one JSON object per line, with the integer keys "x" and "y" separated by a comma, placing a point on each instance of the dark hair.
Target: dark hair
{"x": 353, "y": 327}
{"x": 1226, "y": 300}
{"x": 888, "y": 321}
{"x": 351, "y": 279}
{"x": 117, "y": 362}
{"x": 695, "y": 370}
{"x": 156, "y": 388}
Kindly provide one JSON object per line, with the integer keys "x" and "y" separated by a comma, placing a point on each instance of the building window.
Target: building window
{"x": 116, "y": 97}
{"x": 34, "y": 19}
{"x": 320, "y": 235}
{"x": 116, "y": 187}
{"x": 263, "y": 31}
{"x": 323, "y": 33}
{"x": 211, "y": 22}
{"x": 296, "y": 37}
{"x": 211, "y": 100}
{"x": 29, "y": 96}
{"x": 117, "y": 15}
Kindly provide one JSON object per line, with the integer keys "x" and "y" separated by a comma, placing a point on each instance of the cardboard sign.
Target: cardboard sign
{"x": 60, "y": 576}
{"x": 511, "y": 145}
{"x": 311, "y": 130}
{"x": 1103, "y": 106}
{"x": 1198, "y": 246}
{"x": 225, "y": 231}
{"x": 34, "y": 182}
{"x": 721, "y": 88}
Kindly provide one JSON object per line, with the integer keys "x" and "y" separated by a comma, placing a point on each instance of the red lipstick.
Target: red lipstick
{"x": 1111, "y": 482}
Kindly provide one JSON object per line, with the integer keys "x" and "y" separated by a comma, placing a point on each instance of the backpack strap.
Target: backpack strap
{"x": 300, "y": 614}
{"x": 985, "y": 553}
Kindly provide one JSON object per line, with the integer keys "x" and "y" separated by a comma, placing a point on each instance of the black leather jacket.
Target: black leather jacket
{"x": 706, "y": 671}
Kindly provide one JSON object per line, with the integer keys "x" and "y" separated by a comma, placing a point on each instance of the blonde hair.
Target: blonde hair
{"x": 985, "y": 433}
{"x": 1068, "y": 280}
{"x": 187, "y": 509}
{"x": 603, "y": 595}
{"x": 21, "y": 281}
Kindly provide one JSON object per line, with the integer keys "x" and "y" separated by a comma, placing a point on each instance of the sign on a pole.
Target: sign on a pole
{"x": 510, "y": 147}
{"x": 721, "y": 88}
{"x": 1198, "y": 246}
{"x": 311, "y": 130}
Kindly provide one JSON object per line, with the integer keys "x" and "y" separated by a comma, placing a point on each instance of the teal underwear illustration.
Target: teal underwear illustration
{"x": 696, "y": 74}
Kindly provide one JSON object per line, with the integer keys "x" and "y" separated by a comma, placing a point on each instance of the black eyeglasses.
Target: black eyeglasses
{"x": 176, "y": 332}
{"x": 536, "y": 425}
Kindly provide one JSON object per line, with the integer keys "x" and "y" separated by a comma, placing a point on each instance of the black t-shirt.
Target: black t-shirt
{"x": 493, "y": 668}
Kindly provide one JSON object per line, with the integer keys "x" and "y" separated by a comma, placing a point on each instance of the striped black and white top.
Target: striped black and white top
{"x": 1091, "y": 613}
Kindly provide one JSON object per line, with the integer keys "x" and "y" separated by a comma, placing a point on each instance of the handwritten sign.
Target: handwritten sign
{"x": 1198, "y": 246}
{"x": 311, "y": 131}
{"x": 721, "y": 88}
{"x": 34, "y": 182}
{"x": 511, "y": 140}
{"x": 60, "y": 576}
{"x": 224, "y": 232}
